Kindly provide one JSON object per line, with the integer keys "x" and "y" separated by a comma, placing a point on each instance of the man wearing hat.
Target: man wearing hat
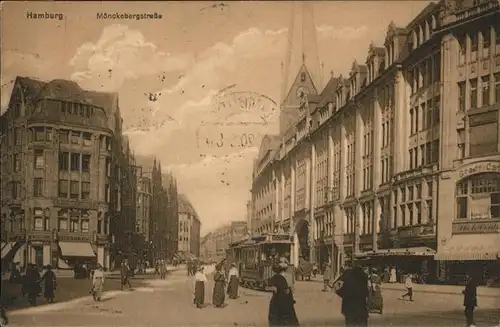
{"x": 49, "y": 287}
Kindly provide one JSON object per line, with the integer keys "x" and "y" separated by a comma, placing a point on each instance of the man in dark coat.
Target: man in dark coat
{"x": 354, "y": 294}
{"x": 470, "y": 299}
{"x": 49, "y": 279}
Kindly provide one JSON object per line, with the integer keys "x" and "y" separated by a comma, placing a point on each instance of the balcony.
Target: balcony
{"x": 472, "y": 12}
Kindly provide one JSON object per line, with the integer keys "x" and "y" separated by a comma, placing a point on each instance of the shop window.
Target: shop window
{"x": 38, "y": 219}
{"x": 74, "y": 225}
{"x": 495, "y": 205}
{"x": 462, "y": 207}
{"x": 85, "y": 225}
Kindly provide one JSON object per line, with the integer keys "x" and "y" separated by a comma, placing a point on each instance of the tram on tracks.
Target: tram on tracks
{"x": 256, "y": 256}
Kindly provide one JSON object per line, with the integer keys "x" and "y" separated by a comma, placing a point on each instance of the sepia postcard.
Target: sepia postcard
{"x": 253, "y": 163}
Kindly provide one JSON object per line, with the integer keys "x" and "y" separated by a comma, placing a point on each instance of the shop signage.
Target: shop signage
{"x": 471, "y": 227}
{"x": 482, "y": 167}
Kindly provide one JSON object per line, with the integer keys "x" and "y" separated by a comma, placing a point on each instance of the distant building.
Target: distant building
{"x": 215, "y": 243}
{"x": 189, "y": 228}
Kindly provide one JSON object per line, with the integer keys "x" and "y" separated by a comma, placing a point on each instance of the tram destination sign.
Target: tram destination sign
{"x": 476, "y": 227}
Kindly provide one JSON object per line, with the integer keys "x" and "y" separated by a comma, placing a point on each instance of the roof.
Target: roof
{"x": 329, "y": 91}
{"x": 185, "y": 205}
{"x": 64, "y": 90}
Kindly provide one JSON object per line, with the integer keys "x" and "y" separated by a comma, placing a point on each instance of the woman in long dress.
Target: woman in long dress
{"x": 393, "y": 278}
{"x": 232, "y": 290}
{"x": 219, "y": 287}
{"x": 97, "y": 283}
{"x": 375, "y": 291}
{"x": 281, "y": 307}
{"x": 199, "y": 287}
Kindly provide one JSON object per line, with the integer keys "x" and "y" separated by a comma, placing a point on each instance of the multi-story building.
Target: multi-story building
{"x": 56, "y": 173}
{"x": 373, "y": 163}
{"x": 189, "y": 228}
{"x": 144, "y": 201}
{"x": 208, "y": 248}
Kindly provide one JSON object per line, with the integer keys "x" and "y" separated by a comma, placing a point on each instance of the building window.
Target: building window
{"x": 412, "y": 123}
{"x": 106, "y": 193}
{"x": 49, "y": 134}
{"x": 17, "y": 136}
{"x": 430, "y": 191}
{"x": 38, "y": 187}
{"x": 75, "y": 162}
{"x": 63, "y": 136}
{"x": 75, "y": 137}
{"x": 85, "y": 162}
{"x": 486, "y": 41}
{"x": 478, "y": 196}
{"x": 410, "y": 153}
{"x": 38, "y": 220}
{"x": 39, "y": 159}
{"x": 74, "y": 225}
{"x": 87, "y": 139}
{"x": 63, "y": 188}
{"x": 483, "y": 138}
{"x": 495, "y": 205}
{"x": 474, "y": 43}
{"x": 497, "y": 88}
{"x": 461, "y": 143}
{"x": 437, "y": 110}
{"x": 74, "y": 191}
{"x": 430, "y": 214}
{"x": 485, "y": 81}
{"x": 85, "y": 190}
{"x": 39, "y": 134}
{"x": 99, "y": 226}
{"x": 17, "y": 163}
{"x": 461, "y": 96}
{"x": 63, "y": 161}
{"x": 473, "y": 93}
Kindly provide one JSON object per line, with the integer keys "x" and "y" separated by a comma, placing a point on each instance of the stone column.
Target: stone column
{"x": 312, "y": 201}
{"x": 358, "y": 217}
{"x": 358, "y": 153}
{"x": 377, "y": 211}
{"x": 400, "y": 124}
{"x": 292, "y": 191}
{"x": 377, "y": 142}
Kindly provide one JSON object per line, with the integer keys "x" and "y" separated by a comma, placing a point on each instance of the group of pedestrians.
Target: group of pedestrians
{"x": 222, "y": 278}
{"x": 33, "y": 282}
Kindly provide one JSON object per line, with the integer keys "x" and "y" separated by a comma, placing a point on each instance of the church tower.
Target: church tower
{"x": 301, "y": 67}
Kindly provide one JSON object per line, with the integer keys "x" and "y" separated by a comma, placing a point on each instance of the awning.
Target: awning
{"x": 466, "y": 247}
{"x": 177, "y": 256}
{"x": 10, "y": 250}
{"x": 418, "y": 251}
{"x": 5, "y": 248}
{"x": 76, "y": 249}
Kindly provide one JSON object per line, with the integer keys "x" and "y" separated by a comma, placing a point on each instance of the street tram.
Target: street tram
{"x": 256, "y": 256}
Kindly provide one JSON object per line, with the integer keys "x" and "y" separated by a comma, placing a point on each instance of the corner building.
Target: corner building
{"x": 396, "y": 163}
{"x": 56, "y": 178}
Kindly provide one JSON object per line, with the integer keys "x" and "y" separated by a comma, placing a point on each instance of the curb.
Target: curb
{"x": 386, "y": 286}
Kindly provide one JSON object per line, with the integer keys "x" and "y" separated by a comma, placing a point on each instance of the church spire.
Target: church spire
{"x": 302, "y": 47}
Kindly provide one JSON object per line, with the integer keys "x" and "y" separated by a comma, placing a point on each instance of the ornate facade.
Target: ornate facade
{"x": 375, "y": 162}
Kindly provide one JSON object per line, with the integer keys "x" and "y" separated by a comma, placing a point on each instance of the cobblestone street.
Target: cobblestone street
{"x": 169, "y": 303}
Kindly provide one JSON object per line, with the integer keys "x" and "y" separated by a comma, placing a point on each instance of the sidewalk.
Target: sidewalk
{"x": 482, "y": 291}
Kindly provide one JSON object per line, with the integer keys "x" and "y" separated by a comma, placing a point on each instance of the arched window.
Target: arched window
{"x": 478, "y": 197}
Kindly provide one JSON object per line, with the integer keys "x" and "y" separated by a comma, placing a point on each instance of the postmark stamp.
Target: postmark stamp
{"x": 239, "y": 120}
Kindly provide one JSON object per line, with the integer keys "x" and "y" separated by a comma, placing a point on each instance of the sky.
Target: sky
{"x": 173, "y": 73}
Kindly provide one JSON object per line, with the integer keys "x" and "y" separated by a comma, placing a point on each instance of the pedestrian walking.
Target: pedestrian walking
{"x": 393, "y": 276}
{"x": 470, "y": 300}
{"x": 125, "y": 275}
{"x": 31, "y": 284}
{"x": 219, "y": 287}
{"x": 354, "y": 294}
{"x": 98, "y": 283}
{"x": 163, "y": 269}
{"x": 282, "y": 304}
{"x": 376, "y": 300}
{"x": 50, "y": 284}
{"x": 233, "y": 282}
{"x": 327, "y": 276}
{"x": 199, "y": 287}
{"x": 4, "y": 320}
{"x": 409, "y": 287}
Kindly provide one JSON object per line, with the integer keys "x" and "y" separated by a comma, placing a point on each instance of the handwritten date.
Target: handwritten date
{"x": 239, "y": 140}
